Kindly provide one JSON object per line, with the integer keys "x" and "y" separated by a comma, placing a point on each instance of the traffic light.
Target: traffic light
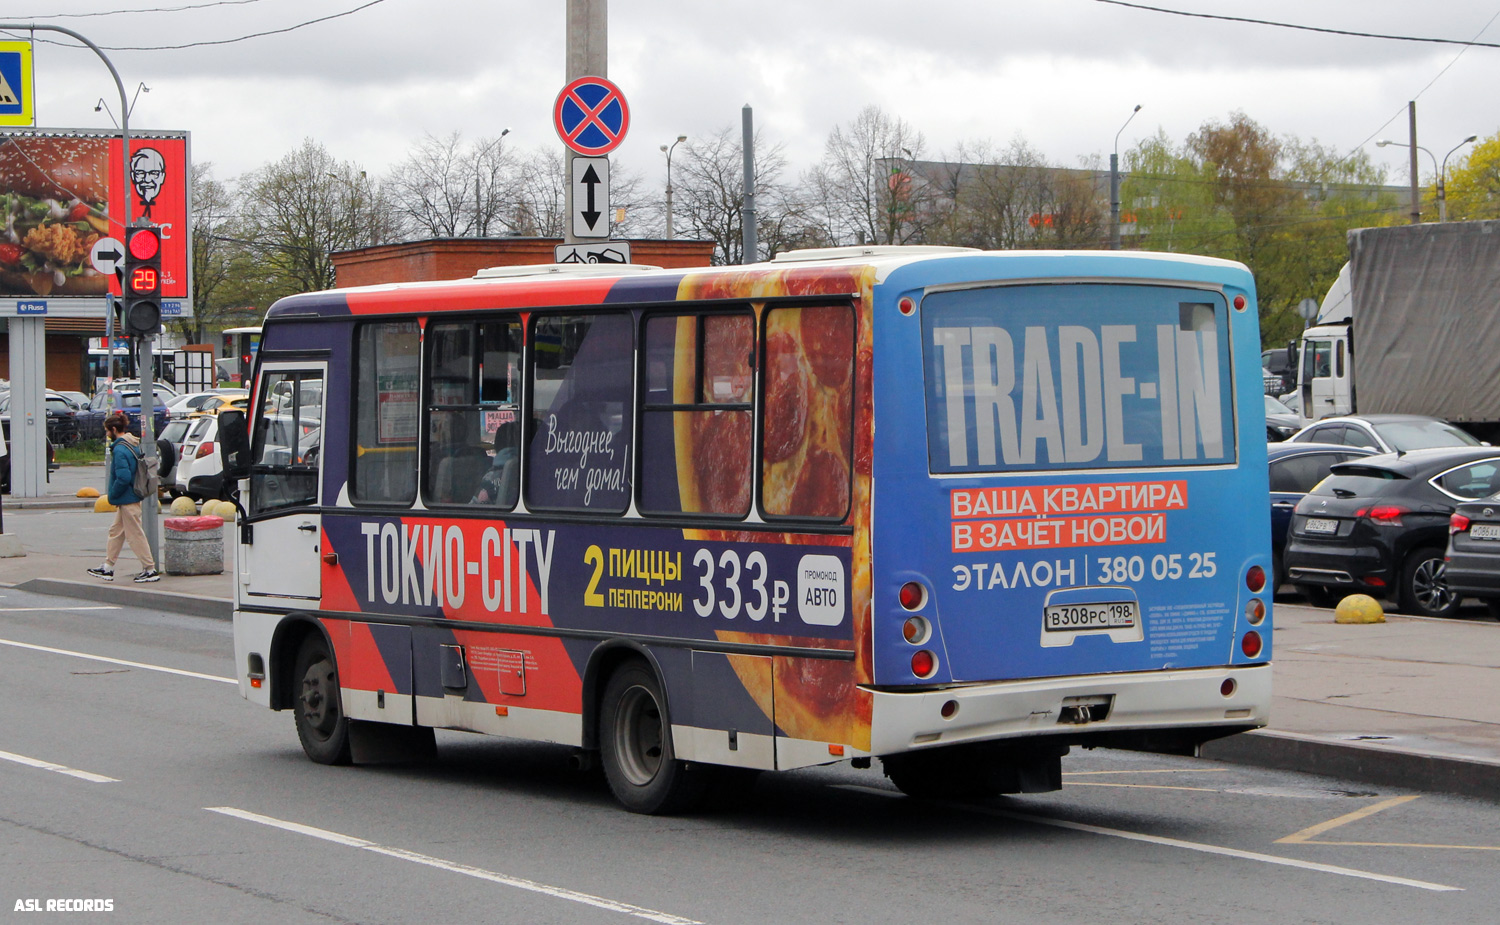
{"x": 141, "y": 285}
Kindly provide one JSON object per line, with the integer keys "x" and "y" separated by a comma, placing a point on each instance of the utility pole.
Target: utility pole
{"x": 587, "y": 56}
{"x": 1416, "y": 201}
{"x": 747, "y": 147}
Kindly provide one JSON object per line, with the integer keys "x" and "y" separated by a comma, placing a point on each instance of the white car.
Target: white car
{"x": 199, "y": 468}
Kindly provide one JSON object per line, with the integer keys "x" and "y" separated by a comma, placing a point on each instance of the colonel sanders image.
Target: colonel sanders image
{"x": 147, "y": 170}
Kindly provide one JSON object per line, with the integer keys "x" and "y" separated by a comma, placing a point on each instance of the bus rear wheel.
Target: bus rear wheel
{"x": 635, "y": 742}
{"x": 321, "y": 724}
{"x": 976, "y": 772}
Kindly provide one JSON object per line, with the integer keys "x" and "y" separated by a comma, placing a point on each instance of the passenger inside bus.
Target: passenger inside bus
{"x": 499, "y": 484}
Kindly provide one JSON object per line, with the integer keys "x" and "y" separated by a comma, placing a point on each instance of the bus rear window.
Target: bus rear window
{"x": 1076, "y": 376}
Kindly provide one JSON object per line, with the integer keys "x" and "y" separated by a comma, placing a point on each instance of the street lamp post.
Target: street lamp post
{"x": 668, "y": 151}
{"x": 1416, "y": 206}
{"x": 1440, "y": 170}
{"x": 1114, "y": 186}
{"x": 1443, "y": 177}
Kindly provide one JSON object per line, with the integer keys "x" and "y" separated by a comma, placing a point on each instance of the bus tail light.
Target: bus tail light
{"x": 913, "y": 595}
{"x": 1458, "y": 523}
{"x": 1255, "y": 579}
{"x": 1227, "y": 688}
{"x": 915, "y": 630}
{"x": 923, "y": 663}
{"x": 1250, "y": 644}
{"x": 206, "y": 448}
{"x": 1255, "y": 611}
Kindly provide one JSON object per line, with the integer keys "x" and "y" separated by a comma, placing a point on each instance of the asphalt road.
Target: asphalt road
{"x": 132, "y": 772}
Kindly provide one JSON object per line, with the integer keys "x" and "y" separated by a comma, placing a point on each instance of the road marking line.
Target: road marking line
{"x": 1146, "y": 771}
{"x": 59, "y": 768}
{"x": 52, "y": 609}
{"x": 1399, "y": 844}
{"x": 1178, "y": 843}
{"x": 118, "y": 661}
{"x": 1085, "y": 783}
{"x": 350, "y": 841}
{"x": 1297, "y": 838}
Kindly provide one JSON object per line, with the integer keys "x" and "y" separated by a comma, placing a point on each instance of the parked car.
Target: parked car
{"x": 170, "y": 446}
{"x": 194, "y": 402}
{"x": 62, "y": 417}
{"x": 1295, "y": 469}
{"x": 1380, "y": 526}
{"x": 1473, "y": 568}
{"x": 1281, "y": 421}
{"x": 199, "y": 439}
{"x": 1279, "y": 370}
{"x": 1388, "y": 433}
{"x": 80, "y": 400}
{"x": 91, "y": 421}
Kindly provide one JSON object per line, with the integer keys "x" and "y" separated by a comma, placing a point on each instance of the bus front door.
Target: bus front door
{"x": 281, "y": 557}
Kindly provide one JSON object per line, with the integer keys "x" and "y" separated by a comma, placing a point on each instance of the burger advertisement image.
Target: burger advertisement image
{"x": 63, "y": 193}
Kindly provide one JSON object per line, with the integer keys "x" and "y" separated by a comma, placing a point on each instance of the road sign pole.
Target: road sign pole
{"x": 587, "y": 53}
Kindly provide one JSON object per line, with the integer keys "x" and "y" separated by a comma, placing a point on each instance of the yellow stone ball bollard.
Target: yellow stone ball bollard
{"x": 184, "y": 507}
{"x": 1359, "y": 608}
{"x": 87, "y": 493}
{"x": 102, "y": 506}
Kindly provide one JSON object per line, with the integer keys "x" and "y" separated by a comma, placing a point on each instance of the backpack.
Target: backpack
{"x": 141, "y": 484}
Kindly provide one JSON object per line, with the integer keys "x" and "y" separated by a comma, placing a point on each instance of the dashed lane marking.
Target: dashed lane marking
{"x": 1145, "y": 771}
{"x": 117, "y": 661}
{"x": 1308, "y": 835}
{"x": 89, "y": 776}
{"x": 587, "y": 899}
{"x": 1176, "y": 843}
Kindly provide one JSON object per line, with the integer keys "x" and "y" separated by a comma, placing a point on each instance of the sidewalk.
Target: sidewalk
{"x": 1405, "y": 703}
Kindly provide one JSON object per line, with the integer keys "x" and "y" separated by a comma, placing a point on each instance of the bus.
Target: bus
{"x": 956, "y": 510}
{"x": 237, "y": 359}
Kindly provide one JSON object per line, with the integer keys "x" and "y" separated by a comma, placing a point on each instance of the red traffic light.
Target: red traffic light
{"x": 144, "y": 244}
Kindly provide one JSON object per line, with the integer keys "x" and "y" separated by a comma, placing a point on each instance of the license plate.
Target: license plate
{"x": 1485, "y": 532}
{"x": 1319, "y": 525}
{"x": 1102, "y": 616}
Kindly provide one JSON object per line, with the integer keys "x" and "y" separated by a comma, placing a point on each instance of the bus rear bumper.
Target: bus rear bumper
{"x": 1115, "y": 709}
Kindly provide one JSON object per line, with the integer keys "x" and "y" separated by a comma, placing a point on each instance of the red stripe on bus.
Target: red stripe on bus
{"x": 472, "y": 295}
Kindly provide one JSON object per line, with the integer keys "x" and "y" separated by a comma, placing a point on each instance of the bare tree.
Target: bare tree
{"x": 541, "y": 207}
{"x": 445, "y": 189}
{"x": 708, "y": 181}
{"x": 215, "y": 217}
{"x": 865, "y": 188}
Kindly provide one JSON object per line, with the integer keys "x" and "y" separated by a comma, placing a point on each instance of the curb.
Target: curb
{"x": 216, "y": 608}
{"x": 1370, "y": 764}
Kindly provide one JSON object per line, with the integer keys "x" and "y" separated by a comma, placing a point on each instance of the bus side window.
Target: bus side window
{"x": 387, "y": 397}
{"x": 579, "y": 450}
{"x": 473, "y": 407}
{"x": 808, "y": 415}
{"x": 698, "y": 428}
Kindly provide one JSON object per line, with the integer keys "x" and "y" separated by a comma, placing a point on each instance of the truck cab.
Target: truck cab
{"x": 1325, "y": 374}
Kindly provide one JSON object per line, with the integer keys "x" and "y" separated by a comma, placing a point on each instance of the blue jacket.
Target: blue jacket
{"x": 122, "y": 471}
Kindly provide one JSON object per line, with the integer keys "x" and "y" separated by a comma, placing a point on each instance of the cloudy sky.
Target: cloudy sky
{"x": 1062, "y": 74}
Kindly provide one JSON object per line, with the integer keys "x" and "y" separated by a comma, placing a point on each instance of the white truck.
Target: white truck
{"x": 1412, "y": 325}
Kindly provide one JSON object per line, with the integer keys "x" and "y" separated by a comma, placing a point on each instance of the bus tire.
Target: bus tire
{"x": 1319, "y": 596}
{"x": 939, "y": 775}
{"x": 321, "y": 724}
{"x": 635, "y": 743}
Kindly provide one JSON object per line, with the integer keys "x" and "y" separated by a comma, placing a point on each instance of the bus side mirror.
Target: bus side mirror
{"x": 1291, "y": 354}
{"x": 234, "y": 445}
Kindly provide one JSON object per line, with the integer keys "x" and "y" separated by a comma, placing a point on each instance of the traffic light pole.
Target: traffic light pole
{"x": 149, "y": 506}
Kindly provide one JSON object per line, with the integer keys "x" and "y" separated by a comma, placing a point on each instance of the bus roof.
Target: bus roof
{"x": 550, "y": 285}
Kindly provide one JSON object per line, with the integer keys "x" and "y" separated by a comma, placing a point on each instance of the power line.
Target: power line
{"x": 1286, "y": 25}
{"x": 242, "y": 38}
{"x": 164, "y": 9}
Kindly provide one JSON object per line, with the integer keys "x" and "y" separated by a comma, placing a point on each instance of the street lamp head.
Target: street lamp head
{"x": 1470, "y": 138}
{"x": 504, "y": 132}
{"x": 684, "y": 138}
{"x": 663, "y": 147}
{"x": 1136, "y": 109}
{"x": 1386, "y": 142}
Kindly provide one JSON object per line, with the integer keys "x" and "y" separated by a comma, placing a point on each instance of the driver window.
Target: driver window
{"x": 286, "y": 443}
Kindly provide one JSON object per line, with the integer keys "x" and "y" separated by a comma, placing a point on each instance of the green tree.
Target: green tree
{"x": 1473, "y": 184}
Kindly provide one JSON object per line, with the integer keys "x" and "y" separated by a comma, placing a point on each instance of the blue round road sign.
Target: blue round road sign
{"x": 591, "y": 116}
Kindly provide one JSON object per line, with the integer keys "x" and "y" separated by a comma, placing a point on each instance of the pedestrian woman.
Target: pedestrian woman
{"x": 123, "y": 462}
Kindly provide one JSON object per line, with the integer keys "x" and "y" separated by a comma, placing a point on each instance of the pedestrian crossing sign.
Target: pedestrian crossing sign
{"x": 16, "y": 101}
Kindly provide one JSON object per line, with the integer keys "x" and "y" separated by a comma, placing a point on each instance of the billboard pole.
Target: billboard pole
{"x": 148, "y": 396}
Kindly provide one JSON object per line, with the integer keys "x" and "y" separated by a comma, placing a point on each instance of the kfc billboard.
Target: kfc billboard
{"x": 62, "y": 195}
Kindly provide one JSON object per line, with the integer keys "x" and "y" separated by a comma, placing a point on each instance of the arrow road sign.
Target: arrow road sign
{"x": 591, "y": 116}
{"x": 590, "y": 197}
{"x": 106, "y": 255}
{"x": 597, "y": 252}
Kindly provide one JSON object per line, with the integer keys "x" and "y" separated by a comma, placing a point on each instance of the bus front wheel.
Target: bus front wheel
{"x": 321, "y": 724}
{"x": 635, "y": 742}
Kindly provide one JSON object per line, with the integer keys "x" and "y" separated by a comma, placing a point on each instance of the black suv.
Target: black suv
{"x": 1379, "y": 526}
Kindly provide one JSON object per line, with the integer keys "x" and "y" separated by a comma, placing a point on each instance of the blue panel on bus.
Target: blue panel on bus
{"x": 1076, "y": 490}
{"x": 1076, "y": 376}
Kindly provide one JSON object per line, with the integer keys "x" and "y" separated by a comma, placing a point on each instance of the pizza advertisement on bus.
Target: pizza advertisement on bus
{"x": 64, "y": 193}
